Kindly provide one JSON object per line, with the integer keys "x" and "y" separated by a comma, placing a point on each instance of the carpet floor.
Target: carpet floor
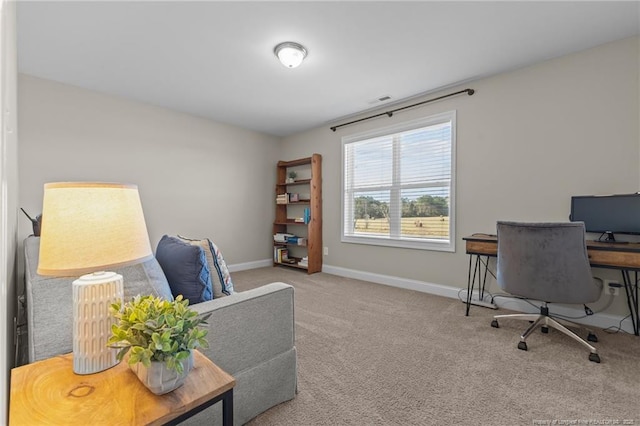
{"x": 370, "y": 354}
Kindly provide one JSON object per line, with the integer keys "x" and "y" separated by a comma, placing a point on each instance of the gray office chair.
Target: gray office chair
{"x": 547, "y": 262}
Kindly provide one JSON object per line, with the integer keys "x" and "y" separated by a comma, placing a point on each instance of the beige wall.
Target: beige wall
{"x": 8, "y": 195}
{"x": 196, "y": 177}
{"x": 526, "y": 141}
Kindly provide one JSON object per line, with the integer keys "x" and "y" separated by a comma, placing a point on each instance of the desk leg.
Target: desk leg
{"x": 484, "y": 276}
{"x": 481, "y": 278}
{"x": 227, "y": 408}
{"x": 470, "y": 283}
{"x": 631, "y": 288}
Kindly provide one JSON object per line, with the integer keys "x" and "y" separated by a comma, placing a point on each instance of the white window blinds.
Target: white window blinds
{"x": 399, "y": 185}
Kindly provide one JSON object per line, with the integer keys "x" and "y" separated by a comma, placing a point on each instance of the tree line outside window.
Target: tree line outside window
{"x": 367, "y": 207}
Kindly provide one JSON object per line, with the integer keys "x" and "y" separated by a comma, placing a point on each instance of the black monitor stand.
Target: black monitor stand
{"x": 610, "y": 238}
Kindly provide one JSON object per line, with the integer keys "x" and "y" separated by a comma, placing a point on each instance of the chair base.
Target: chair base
{"x": 545, "y": 321}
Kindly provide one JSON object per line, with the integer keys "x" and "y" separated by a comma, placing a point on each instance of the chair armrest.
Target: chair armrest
{"x": 250, "y": 327}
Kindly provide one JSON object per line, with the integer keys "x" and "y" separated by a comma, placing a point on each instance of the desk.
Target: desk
{"x": 623, "y": 257}
{"x": 49, "y": 392}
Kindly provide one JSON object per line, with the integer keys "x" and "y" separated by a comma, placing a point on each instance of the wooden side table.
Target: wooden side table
{"x": 49, "y": 392}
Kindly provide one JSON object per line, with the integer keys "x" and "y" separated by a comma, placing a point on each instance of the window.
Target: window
{"x": 399, "y": 185}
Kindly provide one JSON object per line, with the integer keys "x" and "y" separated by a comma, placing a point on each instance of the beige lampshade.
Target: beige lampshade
{"x": 91, "y": 226}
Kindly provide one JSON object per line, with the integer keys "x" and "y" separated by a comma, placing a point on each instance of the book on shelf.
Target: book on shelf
{"x": 289, "y": 239}
{"x": 304, "y": 262}
{"x": 280, "y": 255}
{"x": 282, "y": 237}
{"x": 307, "y": 215}
{"x": 289, "y": 198}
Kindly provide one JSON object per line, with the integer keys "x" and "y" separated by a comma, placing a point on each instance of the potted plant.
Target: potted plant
{"x": 159, "y": 336}
{"x": 292, "y": 177}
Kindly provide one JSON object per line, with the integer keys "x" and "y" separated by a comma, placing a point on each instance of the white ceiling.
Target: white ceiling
{"x": 215, "y": 59}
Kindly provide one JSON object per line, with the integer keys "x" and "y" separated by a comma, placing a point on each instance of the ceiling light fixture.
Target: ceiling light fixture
{"x": 290, "y": 54}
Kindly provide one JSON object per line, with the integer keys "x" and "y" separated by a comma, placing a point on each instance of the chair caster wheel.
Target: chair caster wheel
{"x": 495, "y": 324}
{"x": 592, "y": 337}
{"x": 523, "y": 346}
{"x": 594, "y": 358}
{"x": 544, "y": 329}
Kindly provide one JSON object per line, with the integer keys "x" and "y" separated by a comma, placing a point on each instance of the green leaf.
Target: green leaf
{"x": 182, "y": 355}
{"x": 122, "y": 352}
{"x": 179, "y": 367}
{"x": 171, "y": 363}
{"x": 171, "y": 320}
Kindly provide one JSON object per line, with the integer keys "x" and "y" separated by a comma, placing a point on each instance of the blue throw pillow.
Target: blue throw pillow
{"x": 217, "y": 266}
{"x": 186, "y": 269}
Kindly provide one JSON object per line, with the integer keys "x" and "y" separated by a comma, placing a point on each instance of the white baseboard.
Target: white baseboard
{"x": 600, "y": 320}
{"x": 425, "y": 287}
{"x": 250, "y": 265}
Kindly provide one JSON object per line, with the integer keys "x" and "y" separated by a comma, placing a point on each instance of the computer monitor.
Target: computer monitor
{"x": 607, "y": 214}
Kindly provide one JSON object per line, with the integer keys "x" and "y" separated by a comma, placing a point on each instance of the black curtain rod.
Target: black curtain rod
{"x": 390, "y": 113}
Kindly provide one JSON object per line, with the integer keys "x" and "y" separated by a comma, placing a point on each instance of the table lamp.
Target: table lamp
{"x": 87, "y": 228}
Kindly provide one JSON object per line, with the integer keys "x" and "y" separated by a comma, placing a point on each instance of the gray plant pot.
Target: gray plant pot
{"x": 158, "y": 378}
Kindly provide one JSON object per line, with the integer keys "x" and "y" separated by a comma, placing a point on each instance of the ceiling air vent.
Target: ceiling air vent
{"x": 379, "y": 100}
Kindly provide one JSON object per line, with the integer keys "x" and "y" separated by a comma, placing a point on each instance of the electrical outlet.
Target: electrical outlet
{"x": 326, "y": 251}
{"x": 612, "y": 287}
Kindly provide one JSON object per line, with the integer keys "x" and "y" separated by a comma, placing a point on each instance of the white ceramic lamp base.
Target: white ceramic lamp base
{"x": 92, "y": 296}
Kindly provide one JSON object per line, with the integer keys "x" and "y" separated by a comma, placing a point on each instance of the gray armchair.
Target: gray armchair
{"x": 251, "y": 333}
{"x": 547, "y": 262}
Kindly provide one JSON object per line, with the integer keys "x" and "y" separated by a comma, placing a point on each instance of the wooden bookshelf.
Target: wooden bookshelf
{"x": 285, "y": 213}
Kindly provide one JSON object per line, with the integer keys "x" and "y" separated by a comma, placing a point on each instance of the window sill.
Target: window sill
{"x": 433, "y": 245}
